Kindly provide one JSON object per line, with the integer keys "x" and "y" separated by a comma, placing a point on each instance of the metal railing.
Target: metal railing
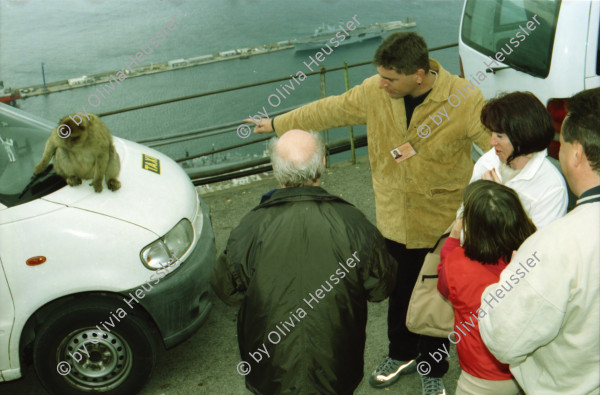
{"x": 253, "y": 166}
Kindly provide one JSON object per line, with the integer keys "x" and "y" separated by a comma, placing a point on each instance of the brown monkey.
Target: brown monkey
{"x": 82, "y": 151}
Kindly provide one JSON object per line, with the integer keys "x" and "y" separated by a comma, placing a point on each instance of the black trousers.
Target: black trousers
{"x": 405, "y": 345}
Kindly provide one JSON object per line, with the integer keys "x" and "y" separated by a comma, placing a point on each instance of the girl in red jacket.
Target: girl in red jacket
{"x": 495, "y": 224}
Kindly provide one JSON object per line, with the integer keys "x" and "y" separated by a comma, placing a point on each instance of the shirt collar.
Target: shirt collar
{"x": 533, "y": 165}
{"x": 590, "y": 196}
{"x": 530, "y": 168}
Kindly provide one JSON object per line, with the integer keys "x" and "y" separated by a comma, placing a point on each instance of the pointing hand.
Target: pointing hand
{"x": 264, "y": 125}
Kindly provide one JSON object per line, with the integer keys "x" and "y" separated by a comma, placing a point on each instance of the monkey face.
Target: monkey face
{"x": 78, "y": 131}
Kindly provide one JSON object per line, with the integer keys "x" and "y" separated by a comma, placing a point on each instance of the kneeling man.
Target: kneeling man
{"x": 303, "y": 264}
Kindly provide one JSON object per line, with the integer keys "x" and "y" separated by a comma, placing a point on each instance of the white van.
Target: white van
{"x": 93, "y": 284}
{"x": 547, "y": 47}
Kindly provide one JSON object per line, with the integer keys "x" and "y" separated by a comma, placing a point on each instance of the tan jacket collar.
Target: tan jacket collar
{"x": 441, "y": 87}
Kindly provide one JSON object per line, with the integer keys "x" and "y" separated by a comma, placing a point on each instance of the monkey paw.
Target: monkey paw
{"x": 73, "y": 181}
{"x": 113, "y": 184}
{"x": 97, "y": 186}
{"x": 38, "y": 169}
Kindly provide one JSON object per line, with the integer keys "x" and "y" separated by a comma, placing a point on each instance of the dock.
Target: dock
{"x": 153, "y": 68}
{"x": 175, "y": 64}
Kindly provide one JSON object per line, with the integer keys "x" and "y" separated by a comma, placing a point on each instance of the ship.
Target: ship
{"x": 324, "y": 33}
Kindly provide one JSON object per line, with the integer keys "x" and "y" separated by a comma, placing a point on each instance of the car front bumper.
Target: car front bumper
{"x": 179, "y": 304}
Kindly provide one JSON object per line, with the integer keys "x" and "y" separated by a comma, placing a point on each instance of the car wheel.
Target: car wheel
{"x": 77, "y": 350}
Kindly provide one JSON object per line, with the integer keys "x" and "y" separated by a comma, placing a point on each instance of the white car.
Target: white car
{"x": 93, "y": 284}
{"x": 550, "y": 48}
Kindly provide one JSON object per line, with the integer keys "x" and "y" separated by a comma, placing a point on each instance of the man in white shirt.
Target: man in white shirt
{"x": 547, "y": 326}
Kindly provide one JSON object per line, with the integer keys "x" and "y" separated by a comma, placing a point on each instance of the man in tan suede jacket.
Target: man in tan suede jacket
{"x": 419, "y": 172}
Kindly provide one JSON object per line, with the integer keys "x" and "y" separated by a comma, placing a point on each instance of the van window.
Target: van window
{"x": 21, "y": 146}
{"x": 497, "y": 26}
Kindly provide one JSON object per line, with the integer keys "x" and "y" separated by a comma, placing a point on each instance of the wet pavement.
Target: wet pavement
{"x": 206, "y": 363}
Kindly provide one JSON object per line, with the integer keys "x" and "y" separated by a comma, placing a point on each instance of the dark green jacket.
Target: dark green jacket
{"x": 303, "y": 264}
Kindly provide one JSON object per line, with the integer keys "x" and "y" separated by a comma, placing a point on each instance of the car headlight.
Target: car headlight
{"x": 172, "y": 246}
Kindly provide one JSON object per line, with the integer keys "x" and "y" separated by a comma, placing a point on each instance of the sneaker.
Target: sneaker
{"x": 433, "y": 385}
{"x": 390, "y": 370}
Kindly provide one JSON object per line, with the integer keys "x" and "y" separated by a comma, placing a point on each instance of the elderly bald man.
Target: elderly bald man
{"x": 303, "y": 264}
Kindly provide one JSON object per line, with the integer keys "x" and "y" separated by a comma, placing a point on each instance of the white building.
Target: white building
{"x": 228, "y": 53}
{"x": 81, "y": 80}
{"x": 177, "y": 63}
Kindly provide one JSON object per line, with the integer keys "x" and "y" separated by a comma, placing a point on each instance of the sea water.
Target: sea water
{"x": 82, "y": 37}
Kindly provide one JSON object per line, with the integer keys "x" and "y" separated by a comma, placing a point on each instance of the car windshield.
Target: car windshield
{"x": 490, "y": 25}
{"x": 21, "y": 147}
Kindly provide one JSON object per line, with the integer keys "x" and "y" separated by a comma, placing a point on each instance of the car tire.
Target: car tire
{"x": 76, "y": 350}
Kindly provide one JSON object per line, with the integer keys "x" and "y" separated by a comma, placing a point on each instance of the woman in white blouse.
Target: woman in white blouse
{"x": 521, "y": 133}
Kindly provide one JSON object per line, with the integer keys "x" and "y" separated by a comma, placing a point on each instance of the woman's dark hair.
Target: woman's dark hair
{"x": 523, "y": 118}
{"x": 494, "y": 222}
{"x": 404, "y": 52}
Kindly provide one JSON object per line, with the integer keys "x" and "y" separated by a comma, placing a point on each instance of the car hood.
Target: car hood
{"x": 155, "y": 191}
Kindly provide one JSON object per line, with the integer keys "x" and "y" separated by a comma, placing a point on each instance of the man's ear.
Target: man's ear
{"x": 420, "y": 75}
{"x": 579, "y": 153}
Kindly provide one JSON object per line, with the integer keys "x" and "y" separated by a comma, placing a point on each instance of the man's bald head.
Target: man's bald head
{"x": 297, "y": 158}
{"x": 296, "y": 146}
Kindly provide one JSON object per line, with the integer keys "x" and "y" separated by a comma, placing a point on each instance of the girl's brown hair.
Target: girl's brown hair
{"x": 494, "y": 222}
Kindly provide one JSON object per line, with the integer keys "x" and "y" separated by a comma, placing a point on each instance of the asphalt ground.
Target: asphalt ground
{"x": 206, "y": 363}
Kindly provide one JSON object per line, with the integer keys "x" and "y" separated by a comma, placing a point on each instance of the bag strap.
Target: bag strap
{"x": 442, "y": 237}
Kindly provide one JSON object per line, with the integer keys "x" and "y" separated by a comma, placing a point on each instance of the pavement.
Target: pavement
{"x": 206, "y": 363}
